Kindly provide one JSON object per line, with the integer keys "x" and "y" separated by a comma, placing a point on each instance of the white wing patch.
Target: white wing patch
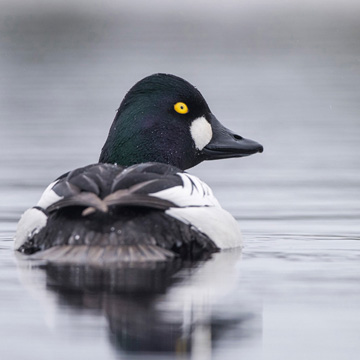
{"x": 193, "y": 192}
{"x": 199, "y": 207}
{"x": 49, "y": 196}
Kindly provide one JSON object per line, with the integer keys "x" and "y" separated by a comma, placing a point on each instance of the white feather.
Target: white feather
{"x": 218, "y": 224}
{"x": 31, "y": 222}
{"x": 49, "y": 196}
{"x": 199, "y": 208}
{"x": 201, "y": 132}
{"x": 33, "y": 219}
{"x": 193, "y": 192}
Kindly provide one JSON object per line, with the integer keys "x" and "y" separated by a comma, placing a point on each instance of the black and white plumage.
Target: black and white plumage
{"x": 147, "y": 208}
{"x": 105, "y": 213}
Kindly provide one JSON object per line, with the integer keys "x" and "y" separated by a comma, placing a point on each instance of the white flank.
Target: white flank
{"x": 49, "y": 196}
{"x": 215, "y": 222}
{"x": 201, "y": 132}
{"x": 31, "y": 222}
{"x": 194, "y": 192}
{"x": 199, "y": 208}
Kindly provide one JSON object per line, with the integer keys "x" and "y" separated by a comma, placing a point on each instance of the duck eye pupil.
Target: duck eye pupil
{"x": 181, "y": 108}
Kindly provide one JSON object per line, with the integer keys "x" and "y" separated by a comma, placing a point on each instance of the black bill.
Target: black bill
{"x": 226, "y": 144}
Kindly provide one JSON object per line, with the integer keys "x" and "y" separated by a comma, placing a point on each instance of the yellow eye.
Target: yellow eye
{"x": 181, "y": 108}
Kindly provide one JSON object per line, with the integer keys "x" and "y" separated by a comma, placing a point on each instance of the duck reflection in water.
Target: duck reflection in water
{"x": 156, "y": 307}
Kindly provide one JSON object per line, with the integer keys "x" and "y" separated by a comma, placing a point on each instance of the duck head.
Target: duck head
{"x": 163, "y": 118}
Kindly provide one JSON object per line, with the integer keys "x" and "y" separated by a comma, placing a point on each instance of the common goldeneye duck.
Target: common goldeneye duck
{"x": 137, "y": 203}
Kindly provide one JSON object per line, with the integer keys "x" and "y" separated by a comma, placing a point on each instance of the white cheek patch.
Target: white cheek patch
{"x": 201, "y": 132}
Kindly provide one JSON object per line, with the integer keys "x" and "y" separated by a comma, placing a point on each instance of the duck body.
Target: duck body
{"x": 107, "y": 213}
{"x": 138, "y": 204}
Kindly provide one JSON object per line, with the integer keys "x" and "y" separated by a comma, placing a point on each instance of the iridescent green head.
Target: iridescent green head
{"x": 163, "y": 118}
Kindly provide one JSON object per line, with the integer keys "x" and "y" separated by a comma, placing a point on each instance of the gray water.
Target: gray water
{"x": 288, "y": 77}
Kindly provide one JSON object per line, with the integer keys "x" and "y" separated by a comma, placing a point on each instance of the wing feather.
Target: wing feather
{"x": 86, "y": 199}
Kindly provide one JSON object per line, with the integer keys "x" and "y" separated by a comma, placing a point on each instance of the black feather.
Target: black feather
{"x": 125, "y": 229}
{"x": 107, "y": 214}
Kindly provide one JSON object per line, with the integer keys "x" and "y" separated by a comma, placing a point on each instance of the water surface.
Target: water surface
{"x": 288, "y": 78}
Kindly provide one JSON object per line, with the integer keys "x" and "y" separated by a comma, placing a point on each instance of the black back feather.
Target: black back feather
{"x": 108, "y": 215}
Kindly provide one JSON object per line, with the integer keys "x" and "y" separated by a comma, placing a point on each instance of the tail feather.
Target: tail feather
{"x": 101, "y": 255}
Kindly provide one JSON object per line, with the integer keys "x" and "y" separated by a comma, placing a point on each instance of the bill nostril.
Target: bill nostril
{"x": 237, "y": 137}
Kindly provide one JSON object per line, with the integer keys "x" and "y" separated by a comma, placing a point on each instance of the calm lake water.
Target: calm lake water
{"x": 288, "y": 78}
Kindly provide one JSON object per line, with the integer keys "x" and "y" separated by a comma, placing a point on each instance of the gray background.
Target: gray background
{"x": 286, "y": 74}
